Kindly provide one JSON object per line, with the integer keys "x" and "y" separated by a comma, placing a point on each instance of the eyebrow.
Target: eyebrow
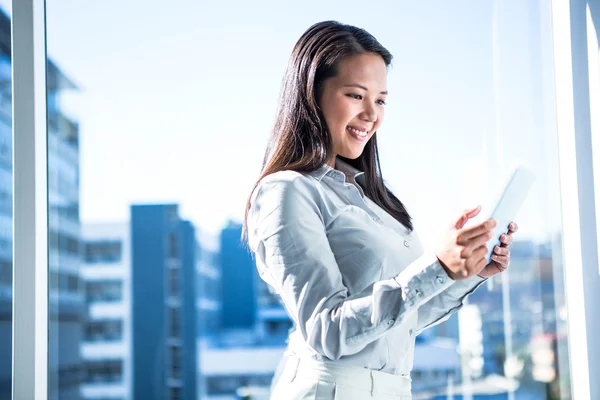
{"x": 362, "y": 87}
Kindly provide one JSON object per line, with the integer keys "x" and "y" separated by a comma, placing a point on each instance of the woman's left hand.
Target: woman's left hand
{"x": 501, "y": 255}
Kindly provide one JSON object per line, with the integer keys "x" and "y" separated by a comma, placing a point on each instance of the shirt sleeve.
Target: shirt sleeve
{"x": 287, "y": 233}
{"x": 440, "y": 307}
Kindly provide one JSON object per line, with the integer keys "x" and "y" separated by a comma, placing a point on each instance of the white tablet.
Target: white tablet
{"x": 508, "y": 204}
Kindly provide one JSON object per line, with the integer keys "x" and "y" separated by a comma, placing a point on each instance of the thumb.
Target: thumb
{"x": 468, "y": 214}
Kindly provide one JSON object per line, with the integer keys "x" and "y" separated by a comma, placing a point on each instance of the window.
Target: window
{"x": 174, "y": 288}
{"x": 104, "y": 330}
{"x": 108, "y": 371}
{"x": 175, "y": 357}
{"x": 175, "y": 393}
{"x": 104, "y": 291}
{"x": 471, "y": 91}
{"x": 5, "y": 273}
{"x": 174, "y": 322}
{"x": 103, "y": 252}
{"x": 173, "y": 246}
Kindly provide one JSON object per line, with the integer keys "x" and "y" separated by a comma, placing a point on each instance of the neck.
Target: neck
{"x": 331, "y": 161}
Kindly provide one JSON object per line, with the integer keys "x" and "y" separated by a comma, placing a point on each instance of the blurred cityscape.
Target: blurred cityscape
{"x": 156, "y": 308}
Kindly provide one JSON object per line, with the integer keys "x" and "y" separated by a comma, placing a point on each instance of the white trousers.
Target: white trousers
{"x": 306, "y": 379}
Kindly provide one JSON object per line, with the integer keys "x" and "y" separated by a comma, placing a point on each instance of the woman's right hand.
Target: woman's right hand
{"x": 462, "y": 253}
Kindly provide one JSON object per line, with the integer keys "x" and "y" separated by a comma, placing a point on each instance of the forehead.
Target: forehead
{"x": 366, "y": 69}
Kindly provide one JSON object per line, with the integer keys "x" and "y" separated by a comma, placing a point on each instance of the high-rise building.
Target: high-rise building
{"x": 239, "y": 281}
{"x": 164, "y": 314}
{"x": 142, "y": 326}
{"x": 106, "y": 348}
{"x": 208, "y": 286}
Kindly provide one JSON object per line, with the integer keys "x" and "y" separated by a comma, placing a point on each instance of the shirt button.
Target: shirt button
{"x": 406, "y": 244}
{"x": 391, "y": 321}
{"x": 410, "y": 332}
{"x": 441, "y": 280}
{"x": 418, "y": 292}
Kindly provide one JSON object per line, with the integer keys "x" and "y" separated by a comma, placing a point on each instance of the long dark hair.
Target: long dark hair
{"x": 300, "y": 140}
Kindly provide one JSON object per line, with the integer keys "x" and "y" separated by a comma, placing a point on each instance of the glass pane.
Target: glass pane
{"x": 159, "y": 115}
{"x": 67, "y": 303}
{"x": 6, "y": 213}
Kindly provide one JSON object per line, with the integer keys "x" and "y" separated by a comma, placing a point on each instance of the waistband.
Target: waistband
{"x": 351, "y": 376}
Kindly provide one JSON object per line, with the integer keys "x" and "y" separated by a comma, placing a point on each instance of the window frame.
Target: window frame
{"x": 30, "y": 202}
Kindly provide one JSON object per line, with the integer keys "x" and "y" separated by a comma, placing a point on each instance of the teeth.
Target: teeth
{"x": 359, "y": 133}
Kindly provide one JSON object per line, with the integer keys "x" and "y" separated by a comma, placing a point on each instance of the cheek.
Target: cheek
{"x": 380, "y": 117}
{"x": 344, "y": 112}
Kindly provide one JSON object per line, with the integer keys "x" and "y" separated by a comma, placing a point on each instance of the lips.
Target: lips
{"x": 359, "y": 135}
{"x": 359, "y": 128}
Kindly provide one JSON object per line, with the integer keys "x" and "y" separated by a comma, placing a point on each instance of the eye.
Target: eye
{"x": 355, "y": 96}
{"x": 382, "y": 102}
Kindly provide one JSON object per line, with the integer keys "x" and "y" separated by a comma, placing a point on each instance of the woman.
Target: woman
{"x": 336, "y": 244}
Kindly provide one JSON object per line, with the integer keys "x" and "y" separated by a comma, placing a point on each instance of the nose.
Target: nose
{"x": 369, "y": 114}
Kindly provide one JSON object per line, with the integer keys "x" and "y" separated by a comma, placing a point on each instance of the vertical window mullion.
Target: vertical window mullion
{"x": 582, "y": 287}
{"x": 30, "y": 202}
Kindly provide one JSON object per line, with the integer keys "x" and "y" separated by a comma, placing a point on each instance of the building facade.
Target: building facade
{"x": 164, "y": 314}
{"x": 106, "y": 347}
{"x": 142, "y": 320}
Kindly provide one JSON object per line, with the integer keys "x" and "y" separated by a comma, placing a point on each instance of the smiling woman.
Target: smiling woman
{"x": 331, "y": 250}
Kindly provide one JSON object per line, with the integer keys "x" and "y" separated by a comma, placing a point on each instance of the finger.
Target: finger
{"x": 461, "y": 222}
{"x": 473, "y": 212}
{"x": 506, "y": 240}
{"x": 480, "y": 240}
{"x": 476, "y": 257}
{"x": 476, "y": 230}
{"x": 502, "y": 260}
{"x": 467, "y": 214}
{"x": 480, "y": 265}
{"x": 501, "y": 251}
{"x": 513, "y": 227}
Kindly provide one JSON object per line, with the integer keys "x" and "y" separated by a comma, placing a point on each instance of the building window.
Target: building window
{"x": 175, "y": 393}
{"x": 65, "y": 282}
{"x": 174, "y": 322}
{"x": 107, "y": 371}
{"x": 63, "y": 243}
{"x": 174, "y": 282}
{"x": 175, "y": 365}
{"x": 103, "y": 251}
{"x": 5, "y": 273}
{"x": 72, "y": 283}
{"x": 105, "y": 330}
{"x": 173, "y": 245}
{"x": 104, "y": 291}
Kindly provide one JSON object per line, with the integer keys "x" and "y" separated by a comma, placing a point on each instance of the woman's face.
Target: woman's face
{"x": 353, "y": 103}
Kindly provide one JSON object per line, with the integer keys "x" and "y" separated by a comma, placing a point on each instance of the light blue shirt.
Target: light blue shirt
{"x": 355, "y": 281}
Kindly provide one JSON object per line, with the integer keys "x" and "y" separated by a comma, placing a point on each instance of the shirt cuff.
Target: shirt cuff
{"x": 423, "y": 279}
{"x": 465, "y": 286}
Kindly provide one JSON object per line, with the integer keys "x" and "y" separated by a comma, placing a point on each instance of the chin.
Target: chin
{"x": 352, "y": 155}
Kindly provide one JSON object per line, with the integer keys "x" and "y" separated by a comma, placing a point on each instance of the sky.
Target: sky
{"x": 176, "y": 101}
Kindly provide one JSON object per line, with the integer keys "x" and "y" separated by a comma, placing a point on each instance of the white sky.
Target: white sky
{"x": 178, "y": 98}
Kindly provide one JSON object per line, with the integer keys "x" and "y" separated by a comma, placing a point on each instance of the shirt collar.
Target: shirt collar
{"x": 341, "y": 170}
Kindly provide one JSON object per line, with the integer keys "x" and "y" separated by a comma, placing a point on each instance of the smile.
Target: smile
{"x": 356, "y": 132}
